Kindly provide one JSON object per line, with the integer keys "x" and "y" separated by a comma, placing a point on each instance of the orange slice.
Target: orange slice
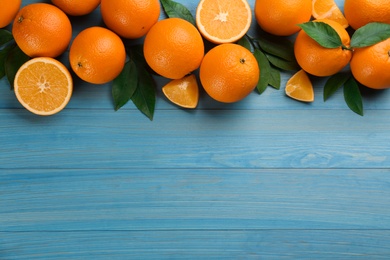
{"x": 43, "y": 86}
{"x": 223, "y": 21}
{"x": 328, "y": 9}
{"x": 299, "y": 87}
{"x": 183, "y": 92}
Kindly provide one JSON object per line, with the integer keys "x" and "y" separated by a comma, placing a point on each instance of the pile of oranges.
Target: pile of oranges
{"x": 174, "y": 47}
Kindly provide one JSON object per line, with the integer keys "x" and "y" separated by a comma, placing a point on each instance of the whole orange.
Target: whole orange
{"x": 77, "y": 7}
{"x": 130, "y": 18}
{"x": 229, "y": 72}
{"x": 8, "y": 11}
{"x": 371, "y": 65}
{"x": 318, "y": 60}
{"x": 173, "y": 48}
{"x": 280, "y": 17}
{"x": 42, "y": 29}
{"x": 97, "y": 55}
{"x": 362, "y": 12}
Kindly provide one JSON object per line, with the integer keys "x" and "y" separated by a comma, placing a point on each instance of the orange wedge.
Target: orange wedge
{"x": 328, "y": 9}
{"x": 43, "y": 86}
{"x": 223, "y": 21}
{"x": 299, "y": 87}
{"x": 183, "y": 92}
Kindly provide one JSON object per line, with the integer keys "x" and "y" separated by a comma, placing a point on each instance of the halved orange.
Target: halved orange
{"x": 43, "y": 86}
{"x": 299, "y": 87}
{"x": 328, "y": 9}
{"x": 183, "y": 92}
{"x": 223, "y": 21}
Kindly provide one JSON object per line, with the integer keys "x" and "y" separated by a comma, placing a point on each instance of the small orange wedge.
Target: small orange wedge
{"x": 183, "y": 92}
{"x": 299, "y": 87}
{"x": 43, "y": 86}
{"x": 328, "y": 9}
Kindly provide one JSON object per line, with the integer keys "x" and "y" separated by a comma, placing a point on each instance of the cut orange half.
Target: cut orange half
{"x": 183, "y": 92}
{"x": 223, "y": 21}
{"x": 299, "y": 87}
{"x": 43, "y": 86}
{"x": 328, "y": 9}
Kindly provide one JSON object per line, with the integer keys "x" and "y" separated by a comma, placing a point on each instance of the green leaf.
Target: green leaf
{"x": 3, "y": 56}
{"x": 264, "y": 71}
{"x": 144, "y": 96}
{"x": 322, "y": 33}
{"x": 283, "y": 64}
{"x": 5, "y": 36}
{"x": 246, "y": 43}
{"x": 275, "y": 78}
{"x": 278, "y": 46}
{"x": 334, "y": 83}
{"x": 174, "y": 9}
{"x": 370, "y": 34}
{"x": 125, "y": 85}
{"x": 352, "y": 96}
{"x": 15, "y": 59}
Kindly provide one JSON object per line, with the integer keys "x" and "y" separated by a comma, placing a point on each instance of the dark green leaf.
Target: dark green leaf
{"x": 322, "y": 33}
{"x": 264, "y": 71}
{"x": 125, "y": 85}
{"x": 370, "y": 34}
{"x": 275, "y": 78}
{"x": 278, "y": 46}
{"x": 283, "y": 64}
{"x": 246, "y": 43}
{"x": 144, "y": 96}
{"x": 15, "y": 59}
{"x": 174, "y": 9}
{"x": 334, "y": 83}
{"x": 353, "y": 97}
{"x": 5, "y": 36}
{"x": 3, "y": 56}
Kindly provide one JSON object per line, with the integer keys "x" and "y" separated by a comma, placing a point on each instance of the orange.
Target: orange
{"x": 371, "y": 65}
{"x": 299, "y": 87}
{"x": 42, "y": 30}
{"x": 183, "y": 92}
{"x": 318, "y": 60}
{"x": 281, "y": 17}
{"x": 77, "y": 7}
{"x": 223, "y": 21}
{"x": 328, "y": 9}
{"x": 97, "y": 55}
{"x": 130, "y": 18}
{"x": 173, "y": 48}
{"x": 229, "y": 72}
{"x": 43, "y": 86}
{"x": 8, "y": 11}
{"x": 362, "y": 12}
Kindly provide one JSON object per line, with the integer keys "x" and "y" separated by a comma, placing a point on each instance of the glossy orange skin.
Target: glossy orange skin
{"x": 362, "y": 12}
{"x": 8, "y": 11}
{"x": 76, "y": 7}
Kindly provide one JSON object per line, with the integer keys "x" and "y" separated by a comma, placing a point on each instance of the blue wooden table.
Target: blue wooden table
{"x": 265, "y": 178}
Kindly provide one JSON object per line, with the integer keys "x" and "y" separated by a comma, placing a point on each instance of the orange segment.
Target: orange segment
{"x": 328, "y": 9}
{"x": 183, "y": 92}
{"x": 299, "y": 87}
{"x": 223, "y": 21}
{"x": 43, "y": 86}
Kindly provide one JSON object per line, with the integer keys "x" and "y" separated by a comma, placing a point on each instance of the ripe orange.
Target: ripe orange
{"x": 328, "y": 9}
{"x": 362, "y": 12}
{"x": 183, "y": 92}
{"x": 130, "y": 18}
{"x": 42, "y": 30}
{"x": 43, "y": 86}
{"x": 223, "y": 21}
{"x": 229, "y": 72}
{"x": 8, "y": 11}
{"x": 320, "y": 61}
{"x": 97, "y": 55}
{"x": 280, "y": 17}
{"x": 77, "y": 7}
{"x": 173, "y": 48}
{"x": 299, "y": 87}
{"x": 371, "y": 65}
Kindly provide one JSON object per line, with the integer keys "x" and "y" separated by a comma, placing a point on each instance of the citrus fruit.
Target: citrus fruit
{"x": 173, "y": 48}
{"x": 299, "y": 87}
{"x": 223, "y": 21}
{"x": 328, "y": 9}
{"x": 281, "y": 17}
{"x": 43, "y": 86}
{"x": 8, "y": 11}
{"x": 362, "y": 12}
{"x": 371, "y": 65}
{"x": 77, "y": 7}
{"x": 130, "y": 18}
{"x": 229, "y": 72}
{"x": 318, "y": 60}
{"x": 42, "y": 29}
{"x": 97, "y": 55}
{"x": 183, "y": 92}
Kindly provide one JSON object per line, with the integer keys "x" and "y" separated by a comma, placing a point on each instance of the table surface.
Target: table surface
{"x": 268, "y": 177}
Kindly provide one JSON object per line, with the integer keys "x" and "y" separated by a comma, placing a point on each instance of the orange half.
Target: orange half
{"x": 299, "y": 87}
{"x": 328, "y": 9}
{"x": 183, "y": 92}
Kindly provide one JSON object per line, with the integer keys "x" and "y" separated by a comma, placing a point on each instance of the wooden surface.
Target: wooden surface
{"x": 266, "y": 178}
